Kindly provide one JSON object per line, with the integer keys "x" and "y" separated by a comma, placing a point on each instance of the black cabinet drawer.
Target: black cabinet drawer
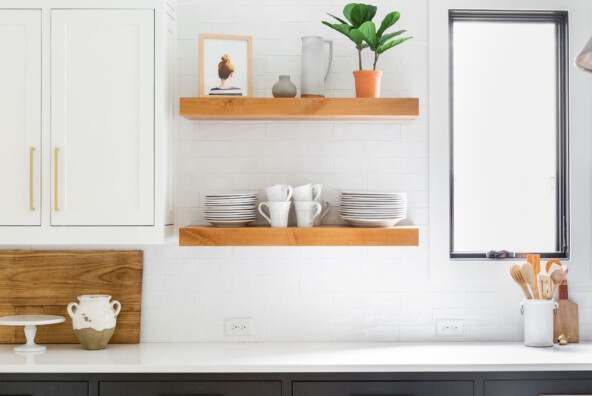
{"x": 538, "y": 387}
{"x": 191, "y": 388}
{"x": 386, "y": 388}
{"x": 43, "y": 388}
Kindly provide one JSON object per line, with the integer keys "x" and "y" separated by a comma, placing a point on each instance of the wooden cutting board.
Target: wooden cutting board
{"x": 44, "y": 282}
{"x": 566, "y": 321}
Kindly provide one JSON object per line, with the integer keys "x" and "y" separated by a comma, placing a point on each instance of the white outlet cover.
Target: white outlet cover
{"x": 238, "y": 327}
{"x": 450, "y": 328}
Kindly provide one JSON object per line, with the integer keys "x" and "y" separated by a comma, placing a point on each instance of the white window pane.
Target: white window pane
{"x": 505, "y": 136}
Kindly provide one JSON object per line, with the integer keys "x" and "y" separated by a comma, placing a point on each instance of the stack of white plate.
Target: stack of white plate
{"x": 373, "y": 208}
{"x": 231, "y": 210}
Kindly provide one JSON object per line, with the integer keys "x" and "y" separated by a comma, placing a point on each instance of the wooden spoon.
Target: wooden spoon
{"x": 557, "y": 277}
{"x": 530, "y": 277}
{"x": 552, "y": 265}
{"x": 517, "y": 276}
{"x": 545, "y": 286}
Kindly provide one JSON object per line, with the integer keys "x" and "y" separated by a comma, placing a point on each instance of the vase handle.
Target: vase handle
{"x": 71, "y": 307}
{"x": 330, "y": 42}
{"x": 116, "y": 310}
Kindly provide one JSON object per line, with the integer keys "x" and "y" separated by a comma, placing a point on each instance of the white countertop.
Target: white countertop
{"x": 321, "y": 357}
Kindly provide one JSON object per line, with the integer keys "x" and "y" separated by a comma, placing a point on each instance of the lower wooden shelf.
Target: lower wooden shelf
{"x": 327, "y": 235}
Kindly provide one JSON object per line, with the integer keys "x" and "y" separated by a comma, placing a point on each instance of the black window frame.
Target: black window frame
{"x": 560, "y": 18}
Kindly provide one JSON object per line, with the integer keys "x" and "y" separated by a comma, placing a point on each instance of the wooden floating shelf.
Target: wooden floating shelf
{"x": 229, "y": 108}
{"x": 327, "y": 235}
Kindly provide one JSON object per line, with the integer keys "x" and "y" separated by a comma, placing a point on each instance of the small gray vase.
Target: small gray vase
{"x": 284, "y": 88}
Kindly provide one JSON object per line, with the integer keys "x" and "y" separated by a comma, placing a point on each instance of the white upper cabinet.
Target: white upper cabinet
{"x": 20, "y": 117}
{"x": 102, "y": 117}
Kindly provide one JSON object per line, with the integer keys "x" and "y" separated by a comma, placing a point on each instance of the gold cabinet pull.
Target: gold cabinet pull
{"x": 31, "y": 172}
{"x": 55, "y": 180}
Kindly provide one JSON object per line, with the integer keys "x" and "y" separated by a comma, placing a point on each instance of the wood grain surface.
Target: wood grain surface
{"x": 567, "y": 319}
{"x": 299, "y": 108}
{"x": 329, "y": 235}
{"x": 46, "y": 281}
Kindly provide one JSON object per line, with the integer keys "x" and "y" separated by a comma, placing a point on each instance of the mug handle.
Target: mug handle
{"x": 71, "y": 307}
{"x": 319, "y": 190}
{"x": 116, "y": 310}
{"x": 319, "y": 208}
{"x": 330, "y": 42}
{"x": 324, "y": 212}
{"x": 290, "y": 192}
{"x": 261, "y": 211}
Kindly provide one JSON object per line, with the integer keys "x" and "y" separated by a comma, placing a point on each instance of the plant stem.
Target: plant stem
{"x": 375, "y": 60}
{"x": 360, "y": 56}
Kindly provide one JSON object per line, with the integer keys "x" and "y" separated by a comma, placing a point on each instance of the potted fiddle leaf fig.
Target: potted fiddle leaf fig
{"x": 362, "y": 31}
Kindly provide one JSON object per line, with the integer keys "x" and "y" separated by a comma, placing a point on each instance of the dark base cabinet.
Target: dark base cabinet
{"x": 560, "y": 383}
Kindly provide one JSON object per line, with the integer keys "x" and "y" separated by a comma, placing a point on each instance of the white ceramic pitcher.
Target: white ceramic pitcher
{"x": 94, "y": 319}
{"x": 313, "y": 74}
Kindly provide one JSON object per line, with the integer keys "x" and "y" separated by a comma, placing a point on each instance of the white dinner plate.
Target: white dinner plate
{"x": 230, "y": 224}
{"x": 373, "y": 222}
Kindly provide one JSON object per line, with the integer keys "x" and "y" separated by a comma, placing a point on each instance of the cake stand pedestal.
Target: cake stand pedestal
{"x": 30, "y": 322}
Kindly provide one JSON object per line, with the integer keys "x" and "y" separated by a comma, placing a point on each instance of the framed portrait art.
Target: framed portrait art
{"x": 225, "y": 65}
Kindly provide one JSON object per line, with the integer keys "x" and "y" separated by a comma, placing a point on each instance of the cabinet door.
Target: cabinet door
{"x": 20, "y": 117}
{"x": 386, "y": 388}
{"x": 538, "y": 387}
{"x": 43, "y": 388}
{"x": 193, "y": 388}
{"x": 102, "y": 117}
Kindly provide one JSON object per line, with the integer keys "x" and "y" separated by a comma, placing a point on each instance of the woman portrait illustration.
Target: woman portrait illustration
{"x": 224, "y": 65}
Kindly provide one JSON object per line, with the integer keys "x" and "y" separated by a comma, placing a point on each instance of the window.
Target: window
{"x": 508, "y": 187}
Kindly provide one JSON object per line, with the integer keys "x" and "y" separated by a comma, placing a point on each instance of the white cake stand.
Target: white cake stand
{"x": 30, "y": 322}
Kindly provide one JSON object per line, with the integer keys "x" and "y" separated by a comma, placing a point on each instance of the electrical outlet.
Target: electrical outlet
{"x": 450, "y": 328}
{"x": 237, "y": 326}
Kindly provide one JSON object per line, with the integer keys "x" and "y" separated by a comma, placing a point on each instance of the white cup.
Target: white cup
{"x": 307, "y": 192}
{"x": 278, "y": 213}
{"x": 307, "y": 212}
{"x": 279, "y": 193}
{"x": 538, "y": 322}
{"x": 318, "y": 219}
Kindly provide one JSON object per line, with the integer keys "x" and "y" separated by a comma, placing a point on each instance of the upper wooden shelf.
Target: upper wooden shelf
{"x": 326, "y": 235}
{"x": 229, "y": 108}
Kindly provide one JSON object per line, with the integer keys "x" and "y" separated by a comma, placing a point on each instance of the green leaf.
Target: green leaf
{"x": 391, "y": 44}
{"x": 371, "y": 12}
{"x": 343, "y": 28}
{"x": 388, "y": 21}
{"x": 347, "y": 11}
{"x": 368, "y": 29}
{"x": 356, "y": 36}
{"x": 339, "y": 19}
{"x": 387, "y": 37}
{"x": 358, "y": 15}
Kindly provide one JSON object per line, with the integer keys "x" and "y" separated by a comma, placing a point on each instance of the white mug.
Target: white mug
{"x": 307, "y": 192}
{"x": 279, "y": 193}
{"x": 278, "y": 213}
{"x": 318, "y": 219}
{"x": 307, "y": 212}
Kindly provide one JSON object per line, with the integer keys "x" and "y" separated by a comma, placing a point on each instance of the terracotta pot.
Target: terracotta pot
{"x": 367, "y": 83}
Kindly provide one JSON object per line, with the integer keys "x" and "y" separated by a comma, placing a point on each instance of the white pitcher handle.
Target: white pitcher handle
{"x": 261, "y": 205}
{"x": 290, "y": 192}
{"x": 70, "y": 309}
{"x": 330, "y": 42}
{"x": 319, "y": 208}
{"x": 326, "y": 210}
{"x": 116, "y": 310}
{"x": 319, "y": 190}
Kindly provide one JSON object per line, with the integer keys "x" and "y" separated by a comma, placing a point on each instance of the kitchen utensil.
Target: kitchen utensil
{"x": 307, "y": 192}
{"x": 545, "y": 286}
{"x": 551, "y": 265}
{"x": 538, "y": 322}
{"x": 557, "y": 276}
{"x": 313, "y": 75}
{"x": 34, "y": 282}
{"x": 307, "y": 212}
{"x": 31, "y": 322}
{"x": 566, "y": 320}
{"x": 279, "y": 193}
{"x": 529, "y": 276}
{"x": 94, "y": 319}
{"x": 535, "y": 262}
{"x": 278, "y": 213}
{"x": 517, "y": 276}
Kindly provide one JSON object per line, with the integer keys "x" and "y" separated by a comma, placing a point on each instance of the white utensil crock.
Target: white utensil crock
{"x": 538, "y": 322}
{"x": 94, "y": 320}
{"x": 313, "y": 75}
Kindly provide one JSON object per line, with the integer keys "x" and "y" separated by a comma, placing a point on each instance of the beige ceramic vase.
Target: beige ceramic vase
{"x": 94, "y": 318}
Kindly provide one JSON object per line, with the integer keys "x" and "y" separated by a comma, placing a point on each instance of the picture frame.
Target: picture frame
{"x": 222, "y": 61}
